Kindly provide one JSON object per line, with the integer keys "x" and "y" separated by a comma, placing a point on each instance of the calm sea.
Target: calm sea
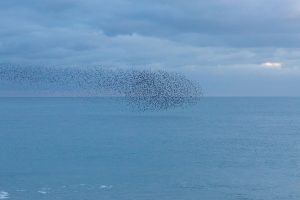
{"x": 97, "y": 149}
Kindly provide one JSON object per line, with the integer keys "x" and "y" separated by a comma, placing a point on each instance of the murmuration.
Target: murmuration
{"x": 143, "y": 89}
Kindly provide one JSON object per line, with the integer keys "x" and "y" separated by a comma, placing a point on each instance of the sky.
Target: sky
{"x": 231, "y": 47}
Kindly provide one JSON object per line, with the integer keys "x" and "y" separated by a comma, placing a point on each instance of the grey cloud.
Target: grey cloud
{"x": 206, "y": 38}
{"x": 233, "y": 23}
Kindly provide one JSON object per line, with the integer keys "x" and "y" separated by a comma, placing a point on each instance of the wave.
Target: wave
{"x": 4, "y": 195}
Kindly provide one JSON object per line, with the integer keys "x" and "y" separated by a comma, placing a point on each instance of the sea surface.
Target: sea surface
{"x": 99, "y": 149}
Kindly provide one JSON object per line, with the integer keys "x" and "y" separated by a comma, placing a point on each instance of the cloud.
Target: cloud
{"x": 226, "y": 23}
{"x": 272, "y": 65}
{"x": 203, "y": 37}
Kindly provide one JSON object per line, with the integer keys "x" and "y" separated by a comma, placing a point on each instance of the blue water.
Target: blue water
{"x": 96, "y": 148}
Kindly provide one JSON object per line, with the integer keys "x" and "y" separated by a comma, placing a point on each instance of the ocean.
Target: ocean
{"x": 223, "y": 148}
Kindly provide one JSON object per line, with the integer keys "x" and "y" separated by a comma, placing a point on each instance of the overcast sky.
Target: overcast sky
{"x": 232, "y": 47}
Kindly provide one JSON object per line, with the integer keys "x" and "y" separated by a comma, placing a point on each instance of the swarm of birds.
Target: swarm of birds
{"x": 142, "y": 89}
